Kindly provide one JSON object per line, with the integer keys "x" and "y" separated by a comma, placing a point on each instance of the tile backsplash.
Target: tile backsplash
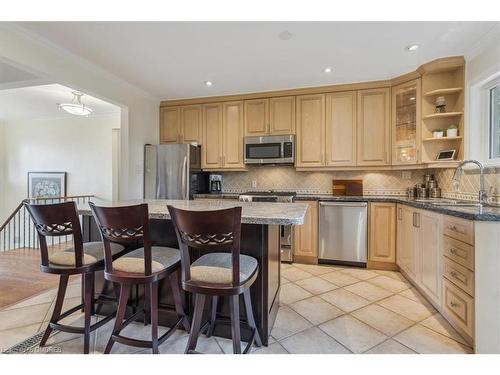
{"x": 288, "y": 179}
{"x": 469, "y": 184}
{"x": 374, "y": 182}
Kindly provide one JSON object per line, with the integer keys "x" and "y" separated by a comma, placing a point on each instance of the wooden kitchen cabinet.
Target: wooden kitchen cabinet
{"x": 191, "y": 123}
{"x": 406, "y": 126}
{"x": 306, "y": 236}
{"x": 373, "y": 127}
{"x": 170, "y": 119}
{"x": 256, "y": 117}
{"x": 181, "y": 124}
{"x": 211, "y": 152}
{"x": 223, "y": 136}
{"x": 419, "y": 249}
{"x": 310, "y": 130}
{"x": 282, "y": 115}
{"x": 232, "y": 135}
{"x": 274, "y": 116}
{"x": 340, "y": 129}
{"x": 382, "y": 236}
{"x": 429, "y": 224}
{"x": 407, "y": 241}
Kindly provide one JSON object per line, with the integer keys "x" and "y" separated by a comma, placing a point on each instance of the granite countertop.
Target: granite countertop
{"x": 488, "y": 213}
{"x": 252, "y": 212}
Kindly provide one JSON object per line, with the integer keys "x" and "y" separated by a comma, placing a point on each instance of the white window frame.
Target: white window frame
{"x": 478, "y": 146}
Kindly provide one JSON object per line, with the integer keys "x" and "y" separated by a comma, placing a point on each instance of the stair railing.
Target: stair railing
{"x": 18, "y": 230}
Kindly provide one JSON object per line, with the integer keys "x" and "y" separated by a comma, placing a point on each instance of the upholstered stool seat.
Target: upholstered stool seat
{"x": 133, "y": 262}
{"x": 93, "y": 252}
{"x": 217, "y": 268}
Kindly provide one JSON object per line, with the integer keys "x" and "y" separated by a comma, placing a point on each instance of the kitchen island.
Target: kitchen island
{"x": 260, "y": 234}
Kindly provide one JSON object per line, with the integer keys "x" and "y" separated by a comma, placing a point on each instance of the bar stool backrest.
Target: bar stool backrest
{"x": 53, "y": 220}
{"x": 124, "y": 225}
{"x": 209, "y": 231}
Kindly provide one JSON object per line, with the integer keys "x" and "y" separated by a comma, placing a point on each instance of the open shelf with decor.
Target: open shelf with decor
{"x": 447, "y": 91}
{"x": 442, "y": 109}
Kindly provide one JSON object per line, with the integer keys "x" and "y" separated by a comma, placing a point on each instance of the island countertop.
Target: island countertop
{"x": 252, "y": 212}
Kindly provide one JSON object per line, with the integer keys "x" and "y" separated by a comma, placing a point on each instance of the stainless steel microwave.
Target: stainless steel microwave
{"x": 272, "y": 149}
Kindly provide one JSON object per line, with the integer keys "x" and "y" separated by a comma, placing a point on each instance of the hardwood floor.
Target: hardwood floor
{"x": 20, "y": 275}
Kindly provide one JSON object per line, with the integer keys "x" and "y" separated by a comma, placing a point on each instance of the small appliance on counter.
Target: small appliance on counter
{"x": 428, "y": 189}
{"x": 347, "y": 187}
{"x": 215, "y": 183}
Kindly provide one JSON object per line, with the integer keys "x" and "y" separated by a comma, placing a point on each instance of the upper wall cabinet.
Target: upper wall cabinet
{"x": 257, "y": 117}
{"x": 270, "y": 116}
{"x": 181, "y": 124}
{"x": 232, "y": 135}
{"x": 340, "y": 129}
{"x": 373, "y": 146}
{"x": 310, "y": 146}
{"x": 190, "y": 124}
{"x": 282, "y": 115}
{"x": 170, "y": 119}
{"x": 211, "y": 152}
{"x": 406, "y": 139}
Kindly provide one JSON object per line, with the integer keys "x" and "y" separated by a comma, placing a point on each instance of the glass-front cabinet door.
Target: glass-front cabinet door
{"x": 406, "y": 139}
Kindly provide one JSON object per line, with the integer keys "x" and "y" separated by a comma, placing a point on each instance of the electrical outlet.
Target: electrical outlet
{"x": 254, "y": 184}
{"x": 406, "y": 175}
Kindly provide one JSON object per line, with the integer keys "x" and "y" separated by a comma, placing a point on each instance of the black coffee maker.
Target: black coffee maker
{"x": 215, "y": 183}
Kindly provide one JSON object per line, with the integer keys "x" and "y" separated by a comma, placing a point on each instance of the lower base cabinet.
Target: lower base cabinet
{"x": 429, "y": 254}
{"x": 433, "y": 257}
{"x": 382, "y": 236}
{"x": 305, "y": 247}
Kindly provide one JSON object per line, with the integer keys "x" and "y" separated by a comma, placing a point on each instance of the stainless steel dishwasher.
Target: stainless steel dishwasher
{"x": 343, "y": 233}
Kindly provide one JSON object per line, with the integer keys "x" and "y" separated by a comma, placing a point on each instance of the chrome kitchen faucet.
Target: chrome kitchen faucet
{"x": 458, "y": 174}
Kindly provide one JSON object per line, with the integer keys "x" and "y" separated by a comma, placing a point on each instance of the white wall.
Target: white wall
{"x": 82, "y": 147}
{"x": 482, "y": 62}
{"x": 139, "y": 120}
{"x": 2, "y": 182}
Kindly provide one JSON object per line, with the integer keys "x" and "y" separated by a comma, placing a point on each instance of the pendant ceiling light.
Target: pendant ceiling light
{"x": 76, "y": 107}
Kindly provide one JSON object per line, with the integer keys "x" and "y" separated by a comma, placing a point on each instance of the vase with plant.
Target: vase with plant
{"x": 438, "y": 133}
{"x": 452, "y": 131}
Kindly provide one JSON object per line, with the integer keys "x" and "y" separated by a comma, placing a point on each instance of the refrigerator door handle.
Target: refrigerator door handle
{"x": 184, "y": 177}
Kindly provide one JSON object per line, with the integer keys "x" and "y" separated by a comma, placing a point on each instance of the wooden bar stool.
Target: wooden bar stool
{"x": 218, "y": 272}
{"x": 147, "y": 266}
{"x": 61, "y": 219}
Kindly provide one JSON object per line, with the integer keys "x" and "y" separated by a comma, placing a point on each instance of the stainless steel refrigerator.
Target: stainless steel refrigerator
{"x": 173, "y": 172}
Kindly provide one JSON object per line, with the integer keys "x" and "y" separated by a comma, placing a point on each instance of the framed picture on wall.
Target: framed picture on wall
{"x": 46, "y": 184}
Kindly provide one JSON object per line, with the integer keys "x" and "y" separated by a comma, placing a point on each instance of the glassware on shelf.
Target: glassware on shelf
{"x": 405, "y": 142}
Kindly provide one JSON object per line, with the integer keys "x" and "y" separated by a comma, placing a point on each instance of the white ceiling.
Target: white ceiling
{"x": 41, "y": 102}
{"x": 10, "y": 74}
{"x": 173, "y": 59}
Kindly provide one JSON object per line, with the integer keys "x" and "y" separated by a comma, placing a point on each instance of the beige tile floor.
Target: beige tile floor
{"x": 323, "y": 309}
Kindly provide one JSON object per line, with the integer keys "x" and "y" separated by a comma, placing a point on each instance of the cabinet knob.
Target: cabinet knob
{"x": 453, "y": 304}
{"x": 454, "y": 274}
{"x": 454, "y": 251}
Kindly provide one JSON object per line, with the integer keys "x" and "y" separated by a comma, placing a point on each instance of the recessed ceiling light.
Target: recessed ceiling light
{"x": 285, "y": 35}
{"x": 412, "y": 98}
{"x": 327, "y": 70}
{"x": 412, "y": 47}
{"x": 208, "y": 83}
